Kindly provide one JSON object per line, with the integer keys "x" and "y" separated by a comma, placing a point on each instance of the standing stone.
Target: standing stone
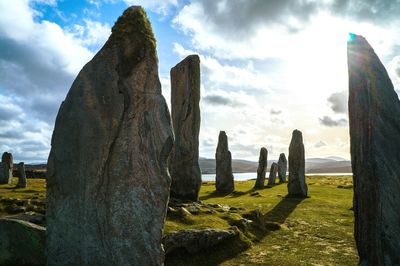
{"x": 21, "y": 176}
{"x": 108, "y": 182}
{"x": 6, "y": 168}
{"x": 374, "y": 116}
{"x": 262, "y": 168}
{"x": 184, "y": 159}
{"x": 297, "y": 180}
{"x": 272, "y": 174}
{"x": 223, "y": 158}
{"x": 282, "y": 168}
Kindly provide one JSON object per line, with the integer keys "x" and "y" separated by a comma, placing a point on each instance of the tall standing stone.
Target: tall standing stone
{"x": 223, "y": 158}
{"x": 185, "y": 110}
{"x": 282, "y": 168}
{"x": 262, "y": 168}
{"x": 108, "y": 182}
{"x": 297, "y": 180}
{"x": 374, "y": 116}
{"x": 21, "y": 176}
{"x": 6, "y": 168}
{"x": 272, "y": 174}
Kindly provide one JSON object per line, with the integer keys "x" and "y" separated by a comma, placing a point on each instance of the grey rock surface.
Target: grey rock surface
{"x": 374, "y": 116}
{"x": 6, "y": 168}
{"x": 194, "y": 241}
{"x": 21, "y": 243}
{"x": 21, "y": 176}
{"x": 185, "y": 111}
{"x": 282, "y": 168}
{"x": 224, "y": 177}
{"x": 30, "y": 216}
{"x": 107, "y": 178}
{"x": 262, "y": 168}
{"x": 297, "y": 180}
{"x": 273, "y": 171}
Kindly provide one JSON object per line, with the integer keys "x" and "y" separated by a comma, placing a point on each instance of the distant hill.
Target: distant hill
{"x": 313, "y": 165}
{"x": 207, "y": 166}
{"x": 330, "y": 164}
{"x": 32, "y": 167}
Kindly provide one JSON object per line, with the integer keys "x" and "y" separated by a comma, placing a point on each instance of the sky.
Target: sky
{"x": 267, "y": 67}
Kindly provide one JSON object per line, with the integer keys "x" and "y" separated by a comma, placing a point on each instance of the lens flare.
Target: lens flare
{"x": 351, "y": 37}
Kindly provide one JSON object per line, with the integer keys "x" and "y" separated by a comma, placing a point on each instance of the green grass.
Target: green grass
{"x": 313, "y": 231}
{"x": 35, "y": 193}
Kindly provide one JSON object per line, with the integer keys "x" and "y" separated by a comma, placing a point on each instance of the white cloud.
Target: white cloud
{"x": 227, "y": 75}
{"x": 338, "y": 102}
{"x": 92, "y": 33}
{"x": 161, "y": 7}
{"x": 38, "y": 62}
{"x": 293, "y": 65}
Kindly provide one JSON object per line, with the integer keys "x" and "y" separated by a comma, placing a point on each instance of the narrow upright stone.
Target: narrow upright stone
{"x": 6, "y": 168}
{"x": 282, "y": 168}
{"x": 223, "y": 158}
{"x": 262, "y": 168}
{"x": 108, "y": 182}
{"x": 374, "y": 116}
{"x": 21, "y": 176}
{"x": 272, "y": 174}
{"x": 185, "y": 110}
{"x": 297, "y": 186}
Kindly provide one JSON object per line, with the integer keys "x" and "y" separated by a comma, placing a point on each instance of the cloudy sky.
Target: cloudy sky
{"x": 268, "y": 67}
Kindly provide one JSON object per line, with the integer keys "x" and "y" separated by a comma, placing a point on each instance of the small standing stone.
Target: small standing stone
{"x": 272, "y": 174}
{"x": 297, "y": 180}
{"x": 282, "y": 168}
{"x": 224, "y": 177}
{"x": 6, "y": 168}
{"x": 262, "y": 168}
{"x": 185, "y": 111}
{"x": 22, "y": 176}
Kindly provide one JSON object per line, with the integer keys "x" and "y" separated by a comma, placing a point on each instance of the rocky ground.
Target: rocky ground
{"x": 246, "y": 227}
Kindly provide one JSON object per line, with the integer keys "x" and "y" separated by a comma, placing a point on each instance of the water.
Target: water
{"x": 236, "y": 176}
{"x": 248, "y": 176}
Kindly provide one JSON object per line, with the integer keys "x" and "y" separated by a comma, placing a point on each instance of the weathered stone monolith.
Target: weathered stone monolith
{"x": 272, "y": 174}
{"x": 6, "y": 168}
{"x": 262, "y": 168}
{"x": 223, "y": 158}
{"x": 21, "y": 176}
{"x": 108, "y": 182}
{"x": 185, "y": 111}
{"x": 297, "y": 186}
{"x": 374, "y": 116}
{"x": 282, "y": 168}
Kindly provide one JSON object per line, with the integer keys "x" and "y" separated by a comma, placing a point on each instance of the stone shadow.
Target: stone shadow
{"x": 215, "y": 194}
{"x": 283, "y": 209}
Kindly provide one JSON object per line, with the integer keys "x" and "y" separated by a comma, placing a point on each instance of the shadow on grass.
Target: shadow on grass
{"x": 225, "y": 250}
{"x": 260, "y": 228}
{"x": 215, "y": 194}
{"x": 21, "y": 189}
{"x": 234, "y": 194}
{"x": 283, "y": 209}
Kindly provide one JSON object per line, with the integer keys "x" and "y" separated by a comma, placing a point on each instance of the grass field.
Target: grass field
{"x": 313, "y": 231}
